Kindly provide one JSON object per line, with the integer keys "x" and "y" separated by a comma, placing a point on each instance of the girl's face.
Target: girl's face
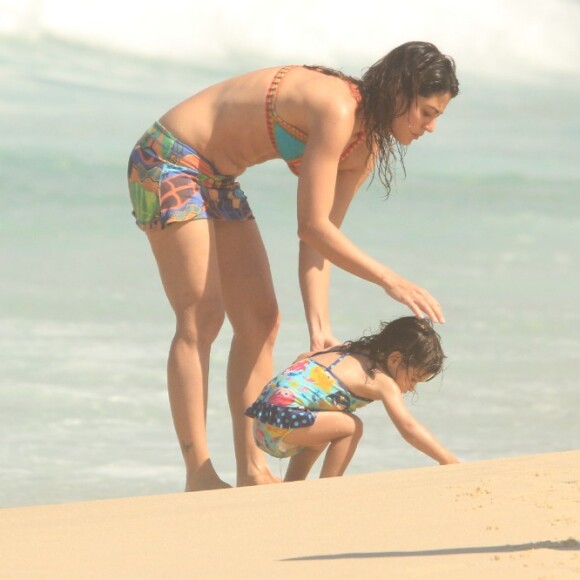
{"x": 405, "y": 377}
{"x": 420, "y": 117}
{"x": 408, "y": 377}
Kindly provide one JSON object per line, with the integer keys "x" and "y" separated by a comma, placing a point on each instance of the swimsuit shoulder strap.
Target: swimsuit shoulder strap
{"x": 361, "y": 135}
{"x": 337, "y": 360}
{"x": 272, "y": 117}
{"x": 273, "y": 90}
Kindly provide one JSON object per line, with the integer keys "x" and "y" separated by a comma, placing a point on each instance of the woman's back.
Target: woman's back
{"x": 228, "y": 121}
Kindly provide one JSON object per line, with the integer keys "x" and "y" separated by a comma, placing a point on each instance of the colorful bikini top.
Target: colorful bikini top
{"x": 288, "y": 140}
{"x": 290, "y": 398}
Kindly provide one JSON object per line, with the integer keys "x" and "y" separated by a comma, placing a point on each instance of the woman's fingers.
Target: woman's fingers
{"x": 431, "y": 308}
{"x": 417, "y": 299}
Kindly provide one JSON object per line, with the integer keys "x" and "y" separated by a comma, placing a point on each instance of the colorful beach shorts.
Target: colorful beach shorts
{"x": 171, "y": 182}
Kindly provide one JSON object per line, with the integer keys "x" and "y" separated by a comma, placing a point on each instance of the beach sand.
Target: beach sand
{"x": 504, "y": 518}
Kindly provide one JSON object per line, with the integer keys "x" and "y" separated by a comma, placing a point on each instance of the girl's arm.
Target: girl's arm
{"x": 410, "y": 429}
{"x": 322, "y": 198}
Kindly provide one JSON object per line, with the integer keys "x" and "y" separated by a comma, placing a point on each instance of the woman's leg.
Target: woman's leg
{"x": 342, "y": 430}
{"x": 186, "y": 257}
{"x": 251, "y": 307}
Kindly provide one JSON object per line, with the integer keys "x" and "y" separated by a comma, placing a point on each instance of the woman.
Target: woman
{"x": 332, "y": 130}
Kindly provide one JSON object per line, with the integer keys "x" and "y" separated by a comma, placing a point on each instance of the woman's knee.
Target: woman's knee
{"x": 271, "y": 323}
{"x": 200, "y": 324}
{"x": 262, "y": 324}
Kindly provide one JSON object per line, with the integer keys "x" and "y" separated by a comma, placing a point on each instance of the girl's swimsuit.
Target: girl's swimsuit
{"x": 169, "y": 181}
{"x": 293, "y": 398}
{"x": 288, "y": 140}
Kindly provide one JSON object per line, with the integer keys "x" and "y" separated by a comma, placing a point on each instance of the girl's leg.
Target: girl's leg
{"x": 250, "y": 304}
{"x": 342, "y": 430}
{"x": 186, "y": 257}
{"x": 300, "y": 465}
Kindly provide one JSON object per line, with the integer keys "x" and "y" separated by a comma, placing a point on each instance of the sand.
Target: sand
{"x": 504, "y": 518}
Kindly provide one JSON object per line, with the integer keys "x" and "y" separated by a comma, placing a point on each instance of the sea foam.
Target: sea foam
{"x": 516, "y": 39}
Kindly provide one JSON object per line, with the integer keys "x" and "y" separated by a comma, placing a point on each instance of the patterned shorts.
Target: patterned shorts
{"x": 270, "y": 439}
{"x": 171, "y": 182}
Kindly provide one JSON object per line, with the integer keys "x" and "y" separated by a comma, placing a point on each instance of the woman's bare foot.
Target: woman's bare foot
{"x": 205, "y": 478}
{"x": 259, "y": 475}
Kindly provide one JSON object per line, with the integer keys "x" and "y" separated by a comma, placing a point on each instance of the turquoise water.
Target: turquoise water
{"x": 488, "y": 218}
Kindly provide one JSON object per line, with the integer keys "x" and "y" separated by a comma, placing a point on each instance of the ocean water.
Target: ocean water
{"x": 487, "y": 218}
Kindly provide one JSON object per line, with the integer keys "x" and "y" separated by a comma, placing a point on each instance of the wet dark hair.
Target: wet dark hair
{"x": 415, "y": 338}
{"x": 389, "y": 87}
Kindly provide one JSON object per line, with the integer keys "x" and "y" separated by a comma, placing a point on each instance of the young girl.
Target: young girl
{"x": 310, "y": 406}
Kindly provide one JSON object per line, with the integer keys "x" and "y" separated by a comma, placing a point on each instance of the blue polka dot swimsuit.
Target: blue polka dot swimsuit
{"x": 293, "y": 398}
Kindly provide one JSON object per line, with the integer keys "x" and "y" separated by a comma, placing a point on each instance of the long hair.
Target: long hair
{"x": 415, "y": 338}
{"x": 389, "y": 87}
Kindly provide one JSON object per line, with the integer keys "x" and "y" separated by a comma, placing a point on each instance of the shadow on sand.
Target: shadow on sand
{"x": 569, "y": 544}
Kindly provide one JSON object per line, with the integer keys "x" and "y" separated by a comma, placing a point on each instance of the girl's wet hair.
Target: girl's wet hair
{"x": 415, "y": 338}
{"x": 389, "y": 87}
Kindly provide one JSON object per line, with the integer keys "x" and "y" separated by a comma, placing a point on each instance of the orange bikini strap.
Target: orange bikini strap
{"x": 271, "y": 101}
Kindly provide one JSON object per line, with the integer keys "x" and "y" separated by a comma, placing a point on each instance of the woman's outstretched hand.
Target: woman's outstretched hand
{"x": 417, "y": 299}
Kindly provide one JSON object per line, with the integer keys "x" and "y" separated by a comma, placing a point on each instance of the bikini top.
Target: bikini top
{"x": 288, "y": 140}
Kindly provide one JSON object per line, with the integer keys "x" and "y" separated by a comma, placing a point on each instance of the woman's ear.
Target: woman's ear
{"x": 402, "y": 105}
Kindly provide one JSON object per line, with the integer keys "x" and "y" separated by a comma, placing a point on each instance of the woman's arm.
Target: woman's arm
{"x": 320, "y": 193}
{"x": 314, "y": 269}
{"x": 314, "y": 276}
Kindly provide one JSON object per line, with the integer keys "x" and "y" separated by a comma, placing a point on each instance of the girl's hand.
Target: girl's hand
{"x": 417, "y": 299}
{"x": 450, "y": 459}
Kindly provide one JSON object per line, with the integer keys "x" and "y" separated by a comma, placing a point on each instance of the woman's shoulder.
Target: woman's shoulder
{"x": 333, "y": 95}
{"x": 250, "y": 78}
{"x": 315, "y": 87}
